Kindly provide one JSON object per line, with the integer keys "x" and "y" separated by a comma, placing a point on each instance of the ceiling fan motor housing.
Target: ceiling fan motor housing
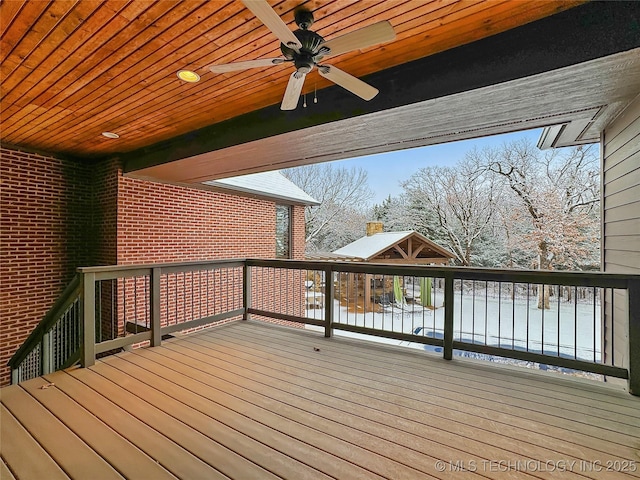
{"x": 309, "y": 54}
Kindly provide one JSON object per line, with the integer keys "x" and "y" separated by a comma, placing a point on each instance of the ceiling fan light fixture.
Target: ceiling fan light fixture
{"x": 306, "y": 49}
{"x": 188, "y": 76}
{"x": 110, "y": 135}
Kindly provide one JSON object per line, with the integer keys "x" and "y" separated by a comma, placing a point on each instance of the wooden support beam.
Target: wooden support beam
{"x": 448, "y": 318}
{"x": 88, "y": 324}
{"x": 367, "y": 292}
{"x": 329, "y": 294}
{"x": 154, "y": 301}
{"x": 415, "y": 253}
{"x": 411, "y": 261}
{"x": 400, "y": 251}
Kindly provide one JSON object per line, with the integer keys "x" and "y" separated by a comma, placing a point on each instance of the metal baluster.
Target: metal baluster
{"x": 594, "y": 324}
{"x": 513, "y": 319}
{"x": 559, "y": 323}
{"x": 528, "y": 305}
{"x": 486, "y": 312}
{"x": 575, "y": 323}
{"x": 613, "y": 350}
{"x": 542, "y": 296}
{"x": 499, "y": 314}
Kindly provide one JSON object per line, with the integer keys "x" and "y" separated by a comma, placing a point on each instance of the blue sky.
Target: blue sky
{"x": 387, "y": 170}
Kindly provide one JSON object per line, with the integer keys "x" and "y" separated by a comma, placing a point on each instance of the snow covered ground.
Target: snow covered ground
{"x": 566, "y": 329}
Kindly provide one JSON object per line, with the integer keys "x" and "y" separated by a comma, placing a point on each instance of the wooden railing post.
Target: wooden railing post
{"x": 246, "y": 291}
{"x": 448, "y": 317}
{"x": 328, "y": 301}
{"x": 633, "y": 296}
{"x": 45, "y": 353}
{"x": 154, "y": 300}
{"x": 88, "y": 324}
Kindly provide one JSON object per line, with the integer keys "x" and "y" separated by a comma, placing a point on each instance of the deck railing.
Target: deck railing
{"x": 492, "y": 314}
{"x": 55, "y": 343}
{"x": 541, "y": 317}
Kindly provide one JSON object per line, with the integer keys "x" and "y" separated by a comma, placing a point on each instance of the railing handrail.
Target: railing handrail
{"x": 68, "y": 296}
{"x": 559, "y": 277}
{"x": 149, "y": 266}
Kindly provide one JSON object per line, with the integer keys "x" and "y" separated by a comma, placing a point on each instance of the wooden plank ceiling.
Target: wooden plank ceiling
{"x": 72, "y": 69}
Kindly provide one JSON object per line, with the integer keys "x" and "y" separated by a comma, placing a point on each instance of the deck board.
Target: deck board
{"x": 518, "y": 393}
{"x": 267, "y": 427}
{"x": 37, "y": 464}
{"x": 123, "y": 455}
{"x": 152, "y": 387}
{"x": 104, "y": 405}
{"x": 75, "y": 457}
{"x": 449, "y": 421}
{"x": 319, "y": 395}
{"x": 5, "y": 473}
{"x": 251, "y": 400}
{"x": 438, "y": 387}
{"x": 504, "y": 389}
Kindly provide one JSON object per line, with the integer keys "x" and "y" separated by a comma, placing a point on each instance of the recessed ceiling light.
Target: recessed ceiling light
{"x": 110, "y": 135}
{"x": 188, "y": 76}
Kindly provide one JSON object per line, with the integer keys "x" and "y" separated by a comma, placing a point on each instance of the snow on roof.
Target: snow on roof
{"x": 266, "y": 184}
{"x": 367, "y": 247}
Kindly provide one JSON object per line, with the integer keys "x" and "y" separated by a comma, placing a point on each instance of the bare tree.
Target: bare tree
{"x": 344, "y": 196}
{"x": 461, "y": 199}
{"x": 557, "y": 195}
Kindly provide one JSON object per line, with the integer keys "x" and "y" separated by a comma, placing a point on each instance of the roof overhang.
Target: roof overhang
{"x": 578, "y": 66}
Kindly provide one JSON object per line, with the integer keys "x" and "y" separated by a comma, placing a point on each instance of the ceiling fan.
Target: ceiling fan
{"x": 306, "y": 50}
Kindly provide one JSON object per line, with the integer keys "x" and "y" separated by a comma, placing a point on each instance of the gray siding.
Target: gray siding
{"x": 620, "y": 220}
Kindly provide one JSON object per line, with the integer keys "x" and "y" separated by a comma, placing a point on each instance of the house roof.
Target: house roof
{"x": 368, "y": 247}
{"x": 266, "y": 184}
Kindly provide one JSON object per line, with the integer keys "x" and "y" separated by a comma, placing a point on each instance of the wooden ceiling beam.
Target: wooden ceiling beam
{"x": 412, "y": 261}
{"x": 536, "y": 47}
{"x": 125, "y": 43}
{"x": 168, "y": 98}
{"x": 417, "y": 251}
{"x": 71, "y": 134}
{"x": 402, "y": 253}
{"x": 239, "y": 97}
{"x": 74, "y": 69}
{"x": 63, "y": 59}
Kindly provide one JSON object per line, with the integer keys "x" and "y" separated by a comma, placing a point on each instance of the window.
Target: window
{"x": 283, "y": 231}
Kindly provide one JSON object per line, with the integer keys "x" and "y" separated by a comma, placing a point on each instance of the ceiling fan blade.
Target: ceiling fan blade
{"x": 292, "y": 93}
{"x": 348, "y": 82}
{"x": 380, "y": 32}
{"x": 267, "y": 15}
{"x": 235, "y": 66}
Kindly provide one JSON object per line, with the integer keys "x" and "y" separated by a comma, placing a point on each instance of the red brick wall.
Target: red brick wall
{"x": 104, "y": 217}
{"x": 57, "y": 215}
{"x": 45, "y": 218}
{"x": 166, "y": 223}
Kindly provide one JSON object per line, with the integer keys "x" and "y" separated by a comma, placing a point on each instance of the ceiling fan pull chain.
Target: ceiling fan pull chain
{"x": 315, "y": 93}
{"x": 304, "y": 100}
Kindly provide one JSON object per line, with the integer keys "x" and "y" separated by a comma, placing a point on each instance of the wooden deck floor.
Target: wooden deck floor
{"x": 253, "y": 401}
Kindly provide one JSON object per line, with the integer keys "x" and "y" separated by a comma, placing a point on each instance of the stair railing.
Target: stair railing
{"x": 55, "y": 343}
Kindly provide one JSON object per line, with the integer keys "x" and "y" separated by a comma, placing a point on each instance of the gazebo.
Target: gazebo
{"x": 406, "y": 247}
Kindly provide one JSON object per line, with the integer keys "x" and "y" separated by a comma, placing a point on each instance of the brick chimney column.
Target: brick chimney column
{"x": 374, "y": 227}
